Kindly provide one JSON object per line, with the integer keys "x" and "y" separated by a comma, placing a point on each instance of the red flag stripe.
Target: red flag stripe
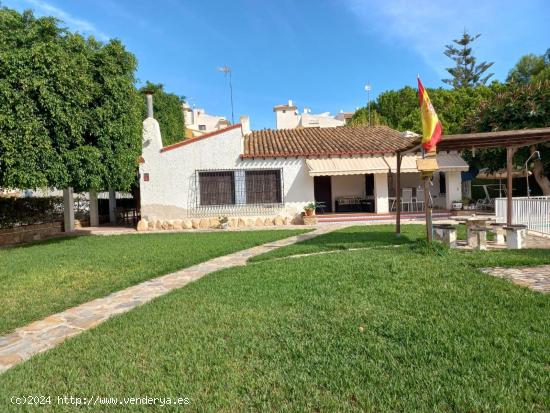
{"x": 436, "y": 137}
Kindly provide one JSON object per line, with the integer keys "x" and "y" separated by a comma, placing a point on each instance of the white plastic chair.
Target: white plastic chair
{"x": 419, "y": 201}
{"x": 407, "y": 198}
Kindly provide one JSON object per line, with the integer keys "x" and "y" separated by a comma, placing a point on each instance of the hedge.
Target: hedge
{"x": 16, "y": 212}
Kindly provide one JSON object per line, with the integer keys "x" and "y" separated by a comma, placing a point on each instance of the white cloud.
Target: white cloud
{"x": 80, "y": 25}
{"x": 426, "y": 26}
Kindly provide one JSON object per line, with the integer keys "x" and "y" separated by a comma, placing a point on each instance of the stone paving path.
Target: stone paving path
{"x": 536, "y": 278}
{"x": 47, "y": 333}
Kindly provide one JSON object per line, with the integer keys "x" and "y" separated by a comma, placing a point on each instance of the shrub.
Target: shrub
{"x": 15, "y": 212}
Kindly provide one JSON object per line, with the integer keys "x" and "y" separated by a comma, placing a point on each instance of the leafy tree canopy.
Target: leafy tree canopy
{"x": 519, "y": 106}
{"x": 361, "y": 117}
{"x": 531, "y": 68}
{"x": 466, "y": 72}
{"x": 167, "y": 111}
{"x": 399, "y": 109}
{"x": 69, "y": 111}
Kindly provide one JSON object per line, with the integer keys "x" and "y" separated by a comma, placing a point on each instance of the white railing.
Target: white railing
{"x": 533, "y": 212}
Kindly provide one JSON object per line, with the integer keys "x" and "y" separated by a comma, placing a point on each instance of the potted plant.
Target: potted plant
{"x": 309, "y": 209}
{"x": 224, "y": 222}
{"x": 467, "y": 203}
{"x": 456, "y": 205}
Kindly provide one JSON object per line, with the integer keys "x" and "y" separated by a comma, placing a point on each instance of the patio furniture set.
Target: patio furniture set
{"x": 477, "y": 229}
{"x": 411, "y": 198}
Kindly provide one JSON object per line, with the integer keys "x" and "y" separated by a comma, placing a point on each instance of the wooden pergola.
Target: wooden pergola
{"x": 511, "y": 140}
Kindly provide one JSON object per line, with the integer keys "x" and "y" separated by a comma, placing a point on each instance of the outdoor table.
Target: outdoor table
{"x": 478, "y": 237}
{"x": 474, "y": 222}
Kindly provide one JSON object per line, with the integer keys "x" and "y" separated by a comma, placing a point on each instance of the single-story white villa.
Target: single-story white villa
{"x": 257, "y": 175}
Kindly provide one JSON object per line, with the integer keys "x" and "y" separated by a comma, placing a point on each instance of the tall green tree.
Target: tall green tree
{"x": 531, "y": 68}
{"x": 69, "y": 110}
{"x": 519, "y": 106}
{"x": 399, "y": 109}
{"x": 361, "y": 117}
{"x": 167, "y": 111}
{"x": 466, "y": 72}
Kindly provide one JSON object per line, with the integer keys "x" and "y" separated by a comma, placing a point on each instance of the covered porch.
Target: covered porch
{"x": 368, "y": 184}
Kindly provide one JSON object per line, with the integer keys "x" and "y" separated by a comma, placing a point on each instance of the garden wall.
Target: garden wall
{"x": 29, "y": 233}
{"x": 206, "y": 223}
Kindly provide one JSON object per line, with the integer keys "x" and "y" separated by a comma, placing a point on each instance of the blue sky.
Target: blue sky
{"x": 320, "y": 53}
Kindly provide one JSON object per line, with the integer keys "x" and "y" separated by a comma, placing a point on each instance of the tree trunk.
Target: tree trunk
{"x": 540, "y": 177}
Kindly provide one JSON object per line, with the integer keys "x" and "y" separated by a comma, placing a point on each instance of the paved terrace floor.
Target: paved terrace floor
{"x": 47, "y": 333}
{"x": 536, "y": 278}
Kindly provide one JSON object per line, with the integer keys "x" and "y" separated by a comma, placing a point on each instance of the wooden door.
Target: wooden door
{"x": 322, "y": 190}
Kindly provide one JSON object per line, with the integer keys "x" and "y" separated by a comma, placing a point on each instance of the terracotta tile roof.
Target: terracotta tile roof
{"x": 345, "y": 141}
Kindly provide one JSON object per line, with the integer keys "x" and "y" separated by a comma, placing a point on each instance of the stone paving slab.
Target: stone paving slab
{"x": 537, "y": 278}
{"x": 47, "y": 333}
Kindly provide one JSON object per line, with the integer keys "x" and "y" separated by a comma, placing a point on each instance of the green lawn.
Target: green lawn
{"x": 43, "y": 278}
{"x": 384, "y": 329}
{"x": 364, "y": 236}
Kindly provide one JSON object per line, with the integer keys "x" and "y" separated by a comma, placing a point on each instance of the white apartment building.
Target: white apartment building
{"x": 198, "y": 122}
{"x": 288, "y": 117}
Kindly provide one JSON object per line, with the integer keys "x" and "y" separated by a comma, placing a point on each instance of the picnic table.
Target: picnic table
{"x": 475, "y": 225}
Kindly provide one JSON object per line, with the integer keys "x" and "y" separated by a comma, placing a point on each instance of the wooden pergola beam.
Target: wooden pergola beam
{"x": 511, "y": 140}
{"x": 510, "y": 150}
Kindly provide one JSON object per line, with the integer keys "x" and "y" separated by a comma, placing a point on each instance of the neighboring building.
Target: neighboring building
{"x": 198, "y": 122}
{"x": 235, "y": 172}
{"x": 288, "y": 117}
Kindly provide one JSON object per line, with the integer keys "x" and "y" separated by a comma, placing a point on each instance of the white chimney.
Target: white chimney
{"x": 245, "y": 125}
{"x": 290, "y": 103}
{"x": 149, "y": 99}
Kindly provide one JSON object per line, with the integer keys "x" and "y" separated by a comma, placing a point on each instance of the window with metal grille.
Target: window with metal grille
{"x": 217, "y": 188}
{"x": 263, "y": 187}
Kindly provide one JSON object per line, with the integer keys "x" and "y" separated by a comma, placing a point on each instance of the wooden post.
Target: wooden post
{"x": 428, "y": 209}
{"x": 510, "y": 150}
{"x": 398, "y": 197}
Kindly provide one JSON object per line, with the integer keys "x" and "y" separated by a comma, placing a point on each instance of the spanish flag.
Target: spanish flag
{"x": 431, "y": 125}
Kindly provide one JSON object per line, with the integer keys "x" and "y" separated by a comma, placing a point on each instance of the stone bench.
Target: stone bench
{"x": 477, "y": 237}
{"x": 499, "y": 231}
{"x": 516, "y": 236}
{"x": 446, "y": 233}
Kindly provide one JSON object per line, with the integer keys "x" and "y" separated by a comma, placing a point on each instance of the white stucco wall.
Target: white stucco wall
{"x": 171, "y": 190}
{"x": 381, "y": 193}
{"x": 454, "y": 188}
{"x": 286, "y": 119}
